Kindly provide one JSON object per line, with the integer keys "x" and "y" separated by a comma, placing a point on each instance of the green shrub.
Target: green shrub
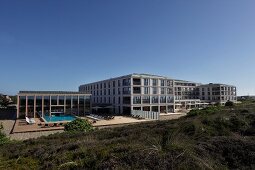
{"x": 79, "y": 125}
{"x": 244, "y": 111}
{"x": 229, "y": 103}
{"x": 193, "y": 112}
{"x": 3, "y": 138}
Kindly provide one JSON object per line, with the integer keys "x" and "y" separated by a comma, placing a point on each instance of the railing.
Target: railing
{"x": 146, "y": 114}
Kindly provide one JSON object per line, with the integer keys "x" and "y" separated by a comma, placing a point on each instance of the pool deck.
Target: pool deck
{"x": 21, "y": 125}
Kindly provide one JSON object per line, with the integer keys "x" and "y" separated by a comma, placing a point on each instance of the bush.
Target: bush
{"x": 79, "y": 125}
{"x": 3, "y": 138}
{"x": 193, "y": 112}
{"x": 244, "y": 111}
{"x": 229, "y": 103}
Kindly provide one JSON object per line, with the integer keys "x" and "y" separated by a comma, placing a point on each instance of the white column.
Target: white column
{"x": 71, "y": 104}
{"x": 18, "y": 103}
{"x": 34, "y": 105}
{"x": 50, "y": 105}
{"x": 65, "y": 104}
{"x": 78, "y": 105}
{"x": 26, "y": 105}
{"x": 42, "y": 106}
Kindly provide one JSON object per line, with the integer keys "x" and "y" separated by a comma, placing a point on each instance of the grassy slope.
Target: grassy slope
{"x": 215, "y": 138}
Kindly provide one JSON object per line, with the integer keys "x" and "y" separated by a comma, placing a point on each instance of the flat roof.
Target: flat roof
{"x": 128, "y": 75}
{"x": 217, "y": 84}
{"x": 52, "y": 92}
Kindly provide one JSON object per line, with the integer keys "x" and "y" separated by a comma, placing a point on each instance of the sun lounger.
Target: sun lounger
{"x": 30, "y": 120}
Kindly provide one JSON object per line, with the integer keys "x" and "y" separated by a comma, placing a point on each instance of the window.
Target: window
{"x": 61, "y": 100}
{"x": 126, "y": 90}
{"x": 136, "y": 81}
{"x": 154, "y": 90}
{"x": 154, "y": 99}
{"x": 169, "y": 91}
{"x": 126, "y": 100}
{"x": 162, "y": 91}
{"x": 169, "y": 83}
{"x": 126, "y": 82}
{"x": 162, "y": 82}
{"x": 137, "y": 100}
{"x": 137, "y": 90}
{"x": 54, "y": 100}
{"x": 146, "y": 99}
{"x": 170, "y": 99}
{"x": 154, "y": 82}
{"x": 146, "y": 82}
{"x": 113, "y": 83}
{"x": 162, "y": 99}
{"x": 146, "y": 90}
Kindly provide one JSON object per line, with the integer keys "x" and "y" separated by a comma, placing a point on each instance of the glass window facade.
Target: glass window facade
{"x": 38, "y": 105}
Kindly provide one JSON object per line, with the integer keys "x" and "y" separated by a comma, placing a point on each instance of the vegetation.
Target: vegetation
{"x": 3, "y": 138}
{"x": 229, "y": 103}
{"x": 4, "y": 101}
{"x": 79, "y": 125}
{"x": 211, "y": 138}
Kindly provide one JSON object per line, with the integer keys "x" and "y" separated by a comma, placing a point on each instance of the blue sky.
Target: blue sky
{"x": 60, "y": 44}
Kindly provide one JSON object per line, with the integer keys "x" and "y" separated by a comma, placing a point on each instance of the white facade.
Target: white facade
{"x": 217, "y": 93}
{"x": 145, "y": 92}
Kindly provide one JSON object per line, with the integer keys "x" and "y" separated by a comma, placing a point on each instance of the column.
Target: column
{"x": 34, "y": 105}
{"x": 71, "y": 104}
{"x": 26, "y": 106}
{"x": 42, "y": 106}
{"x": 50, "y": 105}
{"x": 64, "y": 104}
{"x": 78, "y": 105}
{"x": 18, "y": 105}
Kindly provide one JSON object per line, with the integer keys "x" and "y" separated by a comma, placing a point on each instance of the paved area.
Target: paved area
{"x": 8, "y": 121}
{"x": 171, "y": 116}
{"x": 22, "y": 126}
{"x": 119, "y": 120}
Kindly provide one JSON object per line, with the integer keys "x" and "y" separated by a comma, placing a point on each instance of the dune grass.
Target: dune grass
{"x": 212, "y": 138}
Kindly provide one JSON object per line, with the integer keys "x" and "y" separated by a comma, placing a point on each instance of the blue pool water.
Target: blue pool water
{"x": 59, "y": 118}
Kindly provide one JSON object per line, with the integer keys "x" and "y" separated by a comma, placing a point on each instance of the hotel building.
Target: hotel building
{"x": 40, "y": 103}
{"x": 217, "y": 93}
{"x": 150, "y": 93}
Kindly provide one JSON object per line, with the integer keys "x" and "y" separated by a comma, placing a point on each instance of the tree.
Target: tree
{"x": 4, "y": 101}
{"x": 79, "y": 125}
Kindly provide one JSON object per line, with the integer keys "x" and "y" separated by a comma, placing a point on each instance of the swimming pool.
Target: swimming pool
{"x": 59, "y": 118}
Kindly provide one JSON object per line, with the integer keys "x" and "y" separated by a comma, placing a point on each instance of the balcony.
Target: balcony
{"x": 137, "y": 90}
{"x": 136, "y": 81}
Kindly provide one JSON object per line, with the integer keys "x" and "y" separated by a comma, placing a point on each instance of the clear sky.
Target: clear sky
{"x": 61, "y": 44}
